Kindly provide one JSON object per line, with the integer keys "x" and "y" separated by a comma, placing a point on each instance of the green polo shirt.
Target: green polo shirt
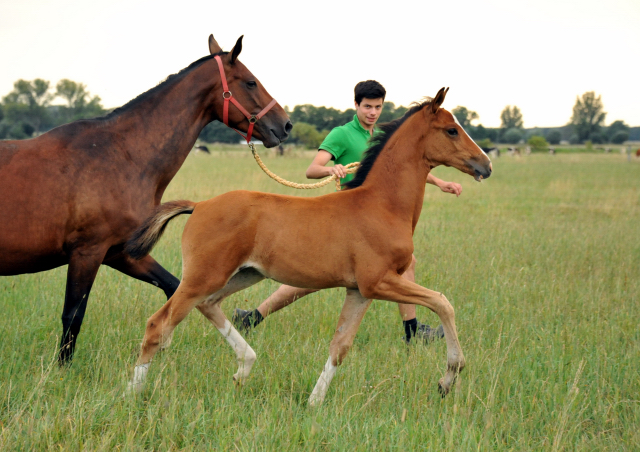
{"x": 347, "y": 144}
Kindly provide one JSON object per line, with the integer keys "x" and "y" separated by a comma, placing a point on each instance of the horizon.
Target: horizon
{"x": 538, "y": 56}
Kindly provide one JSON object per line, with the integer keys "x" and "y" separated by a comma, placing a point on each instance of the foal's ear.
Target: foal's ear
{"x": 213, "y": 45}
{"x": 236, "y": 49}
{"x": 437, "y": 101}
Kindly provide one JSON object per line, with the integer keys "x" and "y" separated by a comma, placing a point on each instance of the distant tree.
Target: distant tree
{"x": 80, "y": 104}
{"x": 588, "y": 115}
{"x": 478, "y": 133}
{"x": 217, "y": 132}
{"x": 537, "y": 142}
{"x": 464, "y": 116}
{"x": 27, "y": 105}
{"x": 619, "y": 137}
{"x": 554, "y": 137}
{"x": 615, "y": 127}
{"x": 512, "y": 136}
{"x": 307, "y": 135}
{"x": 597, "y": 138}
{"x": 511, "y": 118}
{"x": 485, "y": 143}
{"x": 390, "y": 112}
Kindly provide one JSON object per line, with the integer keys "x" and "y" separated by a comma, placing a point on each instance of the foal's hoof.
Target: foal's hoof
{"x": 442, "y": 389}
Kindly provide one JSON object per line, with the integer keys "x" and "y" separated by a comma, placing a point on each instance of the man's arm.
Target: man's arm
{"x": 318, "y": 168}
{"x": 447, "y": 187}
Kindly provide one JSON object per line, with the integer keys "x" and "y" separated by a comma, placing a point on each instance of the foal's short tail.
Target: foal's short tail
{"x": 146, "y": 236}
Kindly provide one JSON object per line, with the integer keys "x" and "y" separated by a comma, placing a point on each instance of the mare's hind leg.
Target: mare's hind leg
{"x": 353, "y": 310}
{"x": 211, "y": 310}
{"x": 147, "y": 270}
{"x": 83, "y": 267}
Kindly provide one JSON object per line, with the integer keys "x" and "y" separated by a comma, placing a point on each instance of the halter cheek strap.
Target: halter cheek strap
{"x": 228, "y": 97}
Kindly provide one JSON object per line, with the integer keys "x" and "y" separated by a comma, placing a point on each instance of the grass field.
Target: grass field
{"x": 540, "y": 262}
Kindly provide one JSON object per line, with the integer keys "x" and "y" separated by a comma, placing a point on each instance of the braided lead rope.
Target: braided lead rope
{"x": 351, "y": 168}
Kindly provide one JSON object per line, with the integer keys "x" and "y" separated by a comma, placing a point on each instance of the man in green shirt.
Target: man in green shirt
{"x": 346, "y": 144}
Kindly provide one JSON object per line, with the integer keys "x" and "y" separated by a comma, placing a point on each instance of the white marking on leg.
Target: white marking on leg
{"x": 139, "y": 377}
{"x": 317, "y": 396}
{"x": 244, "y": 353}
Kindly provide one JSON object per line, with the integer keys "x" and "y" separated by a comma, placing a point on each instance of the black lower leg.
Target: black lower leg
{"x": 410, "y": 327}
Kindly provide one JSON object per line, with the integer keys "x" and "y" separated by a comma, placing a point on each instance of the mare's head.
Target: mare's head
{"x": 448, "y": 144}
{"x": 274, "y": 126}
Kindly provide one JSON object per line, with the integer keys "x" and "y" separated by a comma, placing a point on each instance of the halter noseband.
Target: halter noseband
{"x": 227, "y": 96}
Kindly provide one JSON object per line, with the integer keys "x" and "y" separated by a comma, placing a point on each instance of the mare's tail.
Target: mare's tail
{"x": 146, "y": 236}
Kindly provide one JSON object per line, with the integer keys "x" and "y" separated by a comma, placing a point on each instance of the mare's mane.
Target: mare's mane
{"x": 169, "y": 80}
{"x": 379, "y": 142}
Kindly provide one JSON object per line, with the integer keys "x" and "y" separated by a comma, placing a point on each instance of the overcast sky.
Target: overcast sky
{"x": 538, "y": 55}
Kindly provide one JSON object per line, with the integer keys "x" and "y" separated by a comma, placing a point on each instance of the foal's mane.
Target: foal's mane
{"x": 169, "y": 80}
{"x": 379, "y": 142}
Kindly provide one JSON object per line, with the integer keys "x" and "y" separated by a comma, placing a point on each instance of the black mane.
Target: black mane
{"x": 170, "y": 79}
{"x": 378, "y": 143}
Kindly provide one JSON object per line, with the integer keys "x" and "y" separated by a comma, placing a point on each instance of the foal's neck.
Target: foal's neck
{"x": 398, "y": 177}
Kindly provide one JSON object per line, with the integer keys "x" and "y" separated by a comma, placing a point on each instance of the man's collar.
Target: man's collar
{"x": 360, "y": 127}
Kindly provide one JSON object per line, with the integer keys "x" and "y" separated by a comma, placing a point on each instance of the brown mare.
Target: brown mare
{"x": 76, "y": 193}
{"x": 239, "y": 238}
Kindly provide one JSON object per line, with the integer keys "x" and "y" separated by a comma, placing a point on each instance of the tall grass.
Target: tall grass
{"x": 540, "y": 261}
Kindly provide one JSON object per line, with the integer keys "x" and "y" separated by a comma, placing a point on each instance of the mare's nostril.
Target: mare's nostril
{"x": 287, "y": 127}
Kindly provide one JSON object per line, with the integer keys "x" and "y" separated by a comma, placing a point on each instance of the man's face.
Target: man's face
{"x": 369, "y": 110}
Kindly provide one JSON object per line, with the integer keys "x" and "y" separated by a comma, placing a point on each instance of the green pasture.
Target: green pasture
{"x": 541, "y": 263}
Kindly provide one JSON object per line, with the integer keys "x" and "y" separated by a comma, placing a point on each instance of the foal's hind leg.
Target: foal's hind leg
{"x": 353, "y": 310}
{"x": 211, "y": 310}
{"x": 160, "y": 328}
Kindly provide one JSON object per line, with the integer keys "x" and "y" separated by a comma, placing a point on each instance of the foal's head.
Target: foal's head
{"x": 274, "y": 126}
{"x": 448, "y": 144}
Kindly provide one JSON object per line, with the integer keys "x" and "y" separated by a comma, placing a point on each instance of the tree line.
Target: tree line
{"x": 28, "y": 111}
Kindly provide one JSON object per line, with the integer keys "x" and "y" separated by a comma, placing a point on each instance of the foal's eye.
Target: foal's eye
{"x": 251, "y": 84}
{"x": 452, "y": 132}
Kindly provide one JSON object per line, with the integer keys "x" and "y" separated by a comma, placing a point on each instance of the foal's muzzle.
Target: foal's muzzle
{"x": 481, "y": 167}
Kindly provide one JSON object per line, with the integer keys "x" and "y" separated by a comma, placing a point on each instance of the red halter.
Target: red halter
{"x": 227, "y": 96}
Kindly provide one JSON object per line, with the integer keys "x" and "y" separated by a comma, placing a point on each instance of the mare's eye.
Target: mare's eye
{"x": 452, "y": 132}
{"x": 251, "y": 84}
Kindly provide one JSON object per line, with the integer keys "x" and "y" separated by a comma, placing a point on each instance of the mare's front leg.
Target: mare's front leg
{"x": 83, "y": 267}
{"x": 394, "y": 287}
{"x": 146, "y": 269}
{"x": 353, "y": 310}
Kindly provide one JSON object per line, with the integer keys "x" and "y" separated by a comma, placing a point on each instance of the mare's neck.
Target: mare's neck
{"x": 160, "y": 130}
{"x": 399, "y": 174}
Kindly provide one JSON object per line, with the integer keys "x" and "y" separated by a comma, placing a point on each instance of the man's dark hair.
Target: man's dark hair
{"x": 369, "y": 89}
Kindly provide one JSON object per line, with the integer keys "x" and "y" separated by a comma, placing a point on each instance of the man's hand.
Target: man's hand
{"x": 451, "y": 187}
{"x": 338, "y": 170}
{"x": 447, "y": 187}
{"x": 318, "y": 168}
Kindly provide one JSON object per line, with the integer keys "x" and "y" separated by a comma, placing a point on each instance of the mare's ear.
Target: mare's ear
{"x": 236, "y": 49}
{"x": 437, "y": 101}
{"x": 213, "y": 45}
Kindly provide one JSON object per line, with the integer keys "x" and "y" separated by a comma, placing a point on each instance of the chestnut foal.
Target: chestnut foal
{"x": 239, "y": 238}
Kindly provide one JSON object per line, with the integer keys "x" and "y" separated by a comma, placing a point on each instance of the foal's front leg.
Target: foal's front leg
{"x": 353, "y": 310}
{"x": 393, "y": 287}
{"x": 244, "y": 353}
